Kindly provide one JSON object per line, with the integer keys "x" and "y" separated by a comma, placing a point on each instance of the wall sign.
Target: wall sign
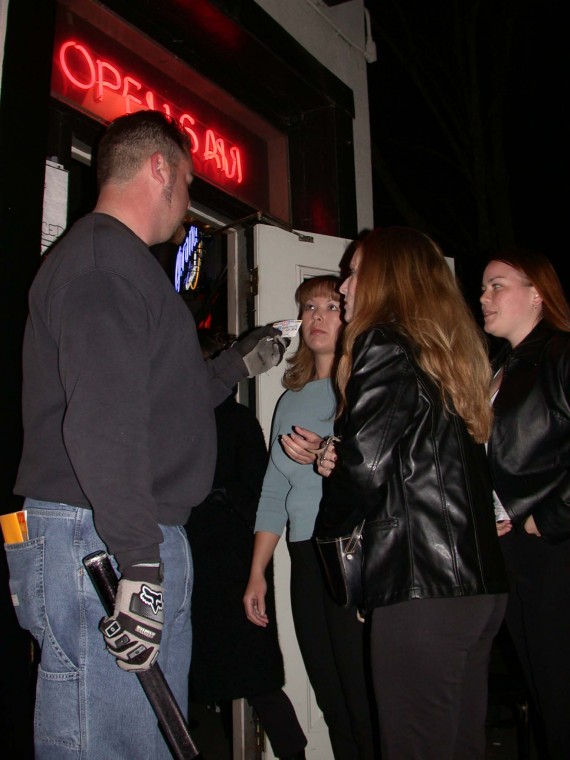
{"x": 109, "y": 91}
{"x": 105, "y": 68}
{"x": 54, "y": 218}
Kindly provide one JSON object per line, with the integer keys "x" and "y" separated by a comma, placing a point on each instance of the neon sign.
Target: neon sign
{"x": 113, "y": 92}
{"x": 189, "y": 260}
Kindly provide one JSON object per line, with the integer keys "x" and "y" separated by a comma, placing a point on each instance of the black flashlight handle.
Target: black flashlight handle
{"x": 153, "y": 682}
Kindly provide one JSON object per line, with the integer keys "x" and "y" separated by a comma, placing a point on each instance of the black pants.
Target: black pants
{"x": 331, "y": 640}
{"x": 538, "y": 619}
{"x": 279, "y": 720}
{"x": 430, "y": 660}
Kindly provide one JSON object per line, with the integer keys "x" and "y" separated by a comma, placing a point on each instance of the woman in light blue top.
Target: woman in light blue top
{"x": 291, "y": 494}
{"x": 330, "y": 638}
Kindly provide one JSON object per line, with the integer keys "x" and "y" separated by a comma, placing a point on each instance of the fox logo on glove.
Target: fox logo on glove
{"x": 152, "y": 599}
{"x": 134, "y": 632}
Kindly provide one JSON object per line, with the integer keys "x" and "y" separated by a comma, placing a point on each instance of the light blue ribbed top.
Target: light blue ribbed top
{"x": 292, "y": 492}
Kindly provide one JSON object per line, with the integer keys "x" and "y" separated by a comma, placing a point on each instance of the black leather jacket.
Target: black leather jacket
{"x": 529, "y": 450}
{"x": 416, "y": 475}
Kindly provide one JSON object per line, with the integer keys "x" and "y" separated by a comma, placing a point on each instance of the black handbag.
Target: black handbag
{"x": 342, "y": 565}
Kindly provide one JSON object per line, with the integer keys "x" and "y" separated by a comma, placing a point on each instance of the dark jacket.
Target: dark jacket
{"x": 529, "y": 448}
{"x": 231, "y": 657}
{"x": 414, "y": 472}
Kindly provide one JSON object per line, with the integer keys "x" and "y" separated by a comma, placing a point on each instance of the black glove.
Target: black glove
{"x": 134, "y": 631}
{"x": 261, "y": 349}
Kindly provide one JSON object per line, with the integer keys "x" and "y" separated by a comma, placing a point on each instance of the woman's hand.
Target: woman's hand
{"x": 254, "y": 600}
{"x": 327, "y": 459}
{"x": 530, "y": 527}
{"x": 302, "y": 446}
{"x": 504, "y": 527}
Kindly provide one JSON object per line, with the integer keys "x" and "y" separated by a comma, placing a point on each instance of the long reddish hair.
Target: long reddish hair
{"x": 404, "y": 280}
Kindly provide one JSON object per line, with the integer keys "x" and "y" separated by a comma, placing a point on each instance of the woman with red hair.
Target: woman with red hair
{"x": 413, "y": 419}
{"x": 529, "y": 451}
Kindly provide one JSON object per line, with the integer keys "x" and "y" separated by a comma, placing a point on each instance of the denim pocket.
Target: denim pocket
{"x": 26, "y": 566}
{"x": 56, "y": 717}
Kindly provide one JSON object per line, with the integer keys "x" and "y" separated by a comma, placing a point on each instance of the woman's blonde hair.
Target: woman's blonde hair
{"x": 302, "y": 369}
{"x": 404, "y": 280}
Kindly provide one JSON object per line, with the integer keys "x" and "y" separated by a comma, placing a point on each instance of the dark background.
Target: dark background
{"x": 468, "y": 129}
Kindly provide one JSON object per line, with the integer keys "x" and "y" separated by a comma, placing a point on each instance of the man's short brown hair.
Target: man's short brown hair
{"x": 131, "y": 139}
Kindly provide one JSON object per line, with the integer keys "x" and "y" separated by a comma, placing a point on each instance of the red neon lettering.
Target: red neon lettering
{"x": 150, "y": 101}
{"x": 129, "y": 97}
{"x": 67, "y": 71}
{"x": 211, "y": 149}
{"x": 216, "y": 150}
{"x": 236, "y": 164}
{"x": 76, "y": 61}
{"x": 193, "y": 137}
{"x": 103, "y": 66}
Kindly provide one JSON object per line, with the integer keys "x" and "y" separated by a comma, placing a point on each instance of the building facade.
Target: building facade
{"x": 274, "y": 98}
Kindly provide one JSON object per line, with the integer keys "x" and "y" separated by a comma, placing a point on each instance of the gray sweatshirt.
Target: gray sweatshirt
{"x": 117, "y": 400}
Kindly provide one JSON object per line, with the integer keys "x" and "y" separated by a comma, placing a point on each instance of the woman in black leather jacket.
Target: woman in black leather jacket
{"x": 529, "y": 451}
{"x": 413, "y": 419}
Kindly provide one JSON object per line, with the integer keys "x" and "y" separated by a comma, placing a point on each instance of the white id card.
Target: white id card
{"x": 289, "y": 327}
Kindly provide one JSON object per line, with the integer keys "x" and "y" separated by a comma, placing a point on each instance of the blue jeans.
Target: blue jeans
{"x": 87, "y": 708}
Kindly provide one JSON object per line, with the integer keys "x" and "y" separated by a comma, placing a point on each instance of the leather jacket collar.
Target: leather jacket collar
{"x": 529, "y": 350}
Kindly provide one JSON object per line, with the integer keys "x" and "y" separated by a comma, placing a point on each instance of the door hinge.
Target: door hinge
{"x": 259, "y": 738}
{"x": 253, "y": 282}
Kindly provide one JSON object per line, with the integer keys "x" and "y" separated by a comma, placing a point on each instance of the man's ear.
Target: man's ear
{"x": 159, "y": 167}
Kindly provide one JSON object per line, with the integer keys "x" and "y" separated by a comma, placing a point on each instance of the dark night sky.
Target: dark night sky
{"x": 418, "y": 153}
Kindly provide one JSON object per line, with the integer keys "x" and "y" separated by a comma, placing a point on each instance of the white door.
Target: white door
{"x": 283, "y": 260}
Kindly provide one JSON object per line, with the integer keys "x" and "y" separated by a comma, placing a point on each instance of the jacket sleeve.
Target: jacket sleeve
{"x": 224, "y": 372}
{"x": 271, "y": 511}
{"x": 552, "y": 513}
{"x": 382, "y": 394}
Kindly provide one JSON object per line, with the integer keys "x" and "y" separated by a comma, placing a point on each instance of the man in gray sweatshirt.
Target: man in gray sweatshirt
{"x": 119, "y": 445}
